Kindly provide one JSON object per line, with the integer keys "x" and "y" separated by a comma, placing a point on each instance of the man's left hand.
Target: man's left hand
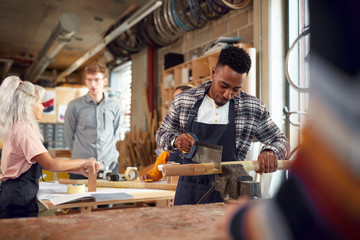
{"x": 268, "y": 162}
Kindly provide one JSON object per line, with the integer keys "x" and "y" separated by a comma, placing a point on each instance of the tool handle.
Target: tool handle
{"x": 209, "y": 168}
{"x": 193, "y": 149}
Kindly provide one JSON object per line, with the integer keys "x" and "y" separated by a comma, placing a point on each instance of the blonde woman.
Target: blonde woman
{"x": 23, "y": 153}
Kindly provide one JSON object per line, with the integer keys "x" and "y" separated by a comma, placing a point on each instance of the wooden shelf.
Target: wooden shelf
{"x": 198, "y": 71}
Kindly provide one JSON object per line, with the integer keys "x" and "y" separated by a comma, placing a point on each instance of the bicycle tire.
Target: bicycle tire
{"x": 144, "y": 36}
{"x": 121, "y": 41}
{"x": 197, "y": 14}
{"x": 112, "y": 48}
{"x": 221, "y": 4}
{"x": 169, "y": 18}
{"x": 236, "y": 6}
{"x": 187, "y": 14}
{"x": 151, "y": 30}
{"x": 206, "y": 10}
{"x": 218, "y": 10}
{"x": 135, "y": 44}
{"x": 160, "y": 28}
{"x": 177, "y": 19}
{"x": 117, "y": 51}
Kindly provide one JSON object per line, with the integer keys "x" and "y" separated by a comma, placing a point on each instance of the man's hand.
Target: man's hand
{"x": 184, "y": 142}
{"x": 268, "y": 162}
{"x": 145, "y": 178}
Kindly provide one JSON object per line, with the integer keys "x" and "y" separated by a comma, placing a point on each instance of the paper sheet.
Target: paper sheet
{"x": 56, "y": 193}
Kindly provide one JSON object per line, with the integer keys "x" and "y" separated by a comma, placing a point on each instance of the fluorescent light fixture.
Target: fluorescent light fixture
{"x": 134, "y": 19}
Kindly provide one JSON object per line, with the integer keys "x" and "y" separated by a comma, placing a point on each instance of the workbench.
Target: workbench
{"x": 176, "y": 222}
{"x": 137, "y": 196}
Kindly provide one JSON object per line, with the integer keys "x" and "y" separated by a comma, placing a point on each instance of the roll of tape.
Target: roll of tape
{"x": 131, "y": 173}
{"x": 75, "y": 188}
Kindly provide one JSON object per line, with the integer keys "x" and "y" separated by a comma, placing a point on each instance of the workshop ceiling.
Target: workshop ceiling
{"x": 26, "y": 25}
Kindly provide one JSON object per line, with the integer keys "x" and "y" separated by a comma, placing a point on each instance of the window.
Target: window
{"x": 120, "y": 83}
{"x": 298, "y": 67}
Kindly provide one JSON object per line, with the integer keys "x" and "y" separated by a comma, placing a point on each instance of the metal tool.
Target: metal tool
{"x": 116, "y": 177}
{"x": 204, "y": 152}
{"x": 233, "y": 182}
{"x": 103, "y": 174}
{"x": 130, "y": 174}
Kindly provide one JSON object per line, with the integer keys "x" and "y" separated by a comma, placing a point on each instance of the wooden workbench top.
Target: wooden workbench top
{"x": 177, "y": 222}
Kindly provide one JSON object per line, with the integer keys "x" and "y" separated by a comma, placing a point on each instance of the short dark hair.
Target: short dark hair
{"x": 236, "y": 58}
{"x": 184, "y": 87}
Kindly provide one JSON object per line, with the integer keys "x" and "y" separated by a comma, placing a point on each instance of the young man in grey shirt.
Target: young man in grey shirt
{"x": 92, "y": 122}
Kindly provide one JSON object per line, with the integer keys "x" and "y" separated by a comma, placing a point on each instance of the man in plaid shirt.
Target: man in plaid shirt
{"x": 218, "y": 112}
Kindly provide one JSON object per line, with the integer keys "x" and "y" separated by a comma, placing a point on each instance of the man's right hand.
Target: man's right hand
{"x": 184, "y": 142}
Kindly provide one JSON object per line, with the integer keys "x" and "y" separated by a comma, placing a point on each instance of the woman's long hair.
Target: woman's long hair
{"x": 16, "y": 100}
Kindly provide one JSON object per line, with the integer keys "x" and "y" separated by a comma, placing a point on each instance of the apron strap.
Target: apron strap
{"x": 194, "y": 111}
{"x": 231, "y": 116}
{"x": 193, "y": 114}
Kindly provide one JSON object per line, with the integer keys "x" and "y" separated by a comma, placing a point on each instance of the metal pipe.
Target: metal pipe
{"x": 151, "y": 78}
{"x": 68, "y": 25}
{"x": 135, "y": 18}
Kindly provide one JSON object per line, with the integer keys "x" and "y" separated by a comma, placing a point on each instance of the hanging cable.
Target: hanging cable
{"x": 304, "y": 33}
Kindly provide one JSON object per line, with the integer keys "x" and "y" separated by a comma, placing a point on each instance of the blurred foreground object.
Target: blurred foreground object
{"x": 321, "y": 198}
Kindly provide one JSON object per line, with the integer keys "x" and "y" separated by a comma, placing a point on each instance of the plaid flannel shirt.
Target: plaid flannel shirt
{"x": 251, "y": 120}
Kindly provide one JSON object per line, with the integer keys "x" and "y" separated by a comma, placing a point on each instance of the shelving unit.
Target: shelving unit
{"x": 51, "y": 126}
{"x": 53, "y": 135}
{"x": 196, "y": 72}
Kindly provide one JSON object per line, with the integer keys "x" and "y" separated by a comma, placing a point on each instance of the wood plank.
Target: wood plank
{"x": 209, "y": 168}
{"x": 177, "y": 222}
{"x": 91, "y": 180}
{"x": 122, "y": 184}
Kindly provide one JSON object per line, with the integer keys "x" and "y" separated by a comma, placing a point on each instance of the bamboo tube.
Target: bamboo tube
{"x": 209, "y": 168}
{"x": 122, "y": 184}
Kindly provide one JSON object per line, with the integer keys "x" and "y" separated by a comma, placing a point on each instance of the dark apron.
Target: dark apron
{"x": 191, "y": 189}
{"x": 18, "y": 196}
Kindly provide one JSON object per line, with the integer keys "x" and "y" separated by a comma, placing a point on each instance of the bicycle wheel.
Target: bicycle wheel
{"x": 236, "y": 4}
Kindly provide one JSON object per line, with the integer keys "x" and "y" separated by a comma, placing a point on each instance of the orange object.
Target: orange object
{"x": 155, "y": 173}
